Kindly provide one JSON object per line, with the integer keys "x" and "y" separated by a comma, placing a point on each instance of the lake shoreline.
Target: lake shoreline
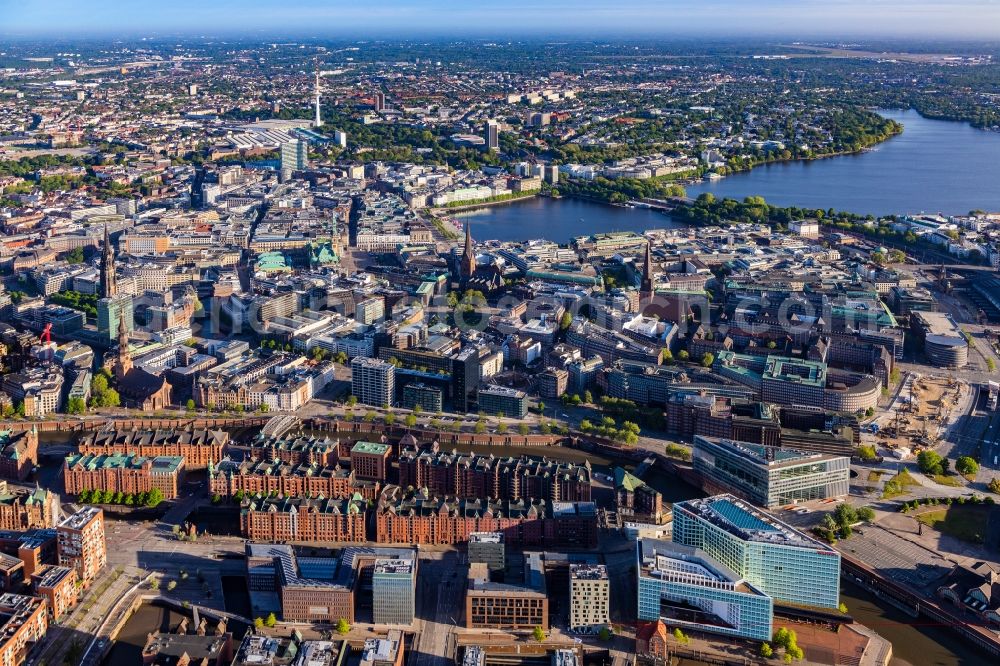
{"x": 444, "y": 210}
{"x": 559, "y": 219}
{"x": 937, "y": 166}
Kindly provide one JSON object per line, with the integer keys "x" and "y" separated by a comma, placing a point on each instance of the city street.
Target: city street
{"x": 440, "y": 585}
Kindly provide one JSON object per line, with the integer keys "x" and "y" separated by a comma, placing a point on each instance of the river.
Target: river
{"x": 933, "y": 166}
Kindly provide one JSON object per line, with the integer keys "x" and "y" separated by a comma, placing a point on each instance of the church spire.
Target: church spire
{"x": 108, "y": 284}
{"x": 646, "y": 287}
{"x": 469, "y": 256}
{"x": 124, "y": 357}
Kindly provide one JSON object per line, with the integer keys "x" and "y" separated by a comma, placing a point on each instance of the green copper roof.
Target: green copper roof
{"x": 370, "y": 447}
{"x": 629, "y": 482}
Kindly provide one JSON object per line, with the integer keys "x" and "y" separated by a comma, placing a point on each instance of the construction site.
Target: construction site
{"x": 923, "y": 407}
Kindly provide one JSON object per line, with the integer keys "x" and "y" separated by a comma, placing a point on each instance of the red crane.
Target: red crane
{"x": 46, "y": 335}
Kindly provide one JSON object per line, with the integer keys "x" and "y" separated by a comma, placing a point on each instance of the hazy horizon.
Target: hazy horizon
{"x": 844, "y": 19}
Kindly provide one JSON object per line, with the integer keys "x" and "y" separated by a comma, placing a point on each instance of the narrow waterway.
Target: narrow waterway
{"x": 148, "y": 618}
{"x": 915, "y": 641}
{"x": 132, "y": 638}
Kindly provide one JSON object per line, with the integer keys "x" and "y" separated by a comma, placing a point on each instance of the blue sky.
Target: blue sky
{"x": 931, "y": 18}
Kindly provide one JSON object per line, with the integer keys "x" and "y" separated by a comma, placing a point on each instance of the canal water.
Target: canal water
{"x": 915, "y": 641}
{"x": 148, "y": 618}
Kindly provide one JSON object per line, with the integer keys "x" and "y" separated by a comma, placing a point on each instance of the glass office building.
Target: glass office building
{"x": 770, "y": 555}
{"x": 393, "y": 582}
{"x": 769, "y": 476}
{"x": 687, "y": 587}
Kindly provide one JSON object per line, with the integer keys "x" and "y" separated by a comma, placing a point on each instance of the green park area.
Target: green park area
{"x": 898, "y": 485}
{"x": 962, "y": 521}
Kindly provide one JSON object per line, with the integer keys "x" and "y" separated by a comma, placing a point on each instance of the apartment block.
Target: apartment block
{"x": 589, "y": 592}
{"x": 23, "y": 622}
{"x": 11, "y": 573}
{"x": 552, "y": 383}
{"x": 57, "y": 585}
{"x": 35, "y": 548}
{"x": 373, "y": 382}
{"x": 81, "y": 543}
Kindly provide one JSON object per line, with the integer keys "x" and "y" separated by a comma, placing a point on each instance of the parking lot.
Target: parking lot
{"x": 897, "y": 558}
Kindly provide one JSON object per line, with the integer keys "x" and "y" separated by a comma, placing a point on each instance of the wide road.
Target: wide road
{"x": 440, "y": 582}
{"x": 990, "y": 449}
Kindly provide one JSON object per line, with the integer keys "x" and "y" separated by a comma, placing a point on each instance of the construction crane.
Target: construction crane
{"x": 46, "y": 335}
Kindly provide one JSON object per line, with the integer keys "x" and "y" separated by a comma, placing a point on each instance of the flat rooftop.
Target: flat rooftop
{"x": 533, "y": 583}
{"x": 80, "y": 519}
{"x": 796, "y": 370}
{"x": 370, "y": 447}
{"x": 676, "y": 562}
{"x": 486, "y": 537}
{"x": 588, "y": 572}
{"x": 386, "y": 566}
{"x": 383, "y": 650}
{"x": 747, "y": 522}
{"x": 769, "y": 456}
{"x": 53, "y": 575}
{"x": 938, "y": 324}
{"x": 494, "y": 389}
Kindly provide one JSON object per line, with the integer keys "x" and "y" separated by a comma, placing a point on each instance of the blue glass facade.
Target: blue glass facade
{"x": 686, "y": 587}
{"x": 784, "y": 563}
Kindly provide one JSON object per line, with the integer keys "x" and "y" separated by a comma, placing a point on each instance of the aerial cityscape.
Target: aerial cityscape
{"x": 581, "y": 334}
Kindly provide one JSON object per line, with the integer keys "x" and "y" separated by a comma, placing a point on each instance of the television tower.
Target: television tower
{"x": 317, "y": 122}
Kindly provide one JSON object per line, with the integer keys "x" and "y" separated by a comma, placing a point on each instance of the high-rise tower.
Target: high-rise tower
{"x": 492, "y": 135}
{"x": 317, "y": 121}
{"x": 109, "y": 287}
